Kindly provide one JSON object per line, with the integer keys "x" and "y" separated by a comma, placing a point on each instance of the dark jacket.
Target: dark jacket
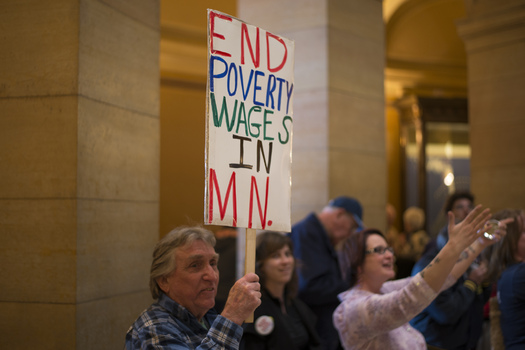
{"x": 279, "y": 337}
{"x": 454, "y": 319}
{"x": 511, "y": 295}
{"x": 320, "y": 279}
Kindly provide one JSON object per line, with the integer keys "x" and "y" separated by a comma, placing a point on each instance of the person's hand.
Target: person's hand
{"x": 498, "y": 234}
{"x": 461, "y": 235}
{"x": 244, "y": 298}
{"x": 478, "y": 274}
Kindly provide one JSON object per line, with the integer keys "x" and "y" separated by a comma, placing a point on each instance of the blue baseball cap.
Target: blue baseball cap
{"x": 352, "y": 206}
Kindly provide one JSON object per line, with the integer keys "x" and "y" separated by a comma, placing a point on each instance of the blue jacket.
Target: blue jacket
{"x": 320, "y": 279}
{"x": 454, "y": 319}
{"x": 511, "y": 295}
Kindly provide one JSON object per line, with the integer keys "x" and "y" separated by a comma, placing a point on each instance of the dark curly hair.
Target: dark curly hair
{"x": 353, "y": 252}
{"x": 456, "y": 196}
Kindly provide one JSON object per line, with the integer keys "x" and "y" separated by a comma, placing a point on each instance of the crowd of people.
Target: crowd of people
{"x": 331, "y": 283}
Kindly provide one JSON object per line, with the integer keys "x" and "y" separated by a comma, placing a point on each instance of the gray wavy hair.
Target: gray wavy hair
{"x": 163, "y": 262}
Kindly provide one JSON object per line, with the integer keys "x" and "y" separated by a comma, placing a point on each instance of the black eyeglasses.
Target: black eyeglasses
{"x": 379, "y": 250}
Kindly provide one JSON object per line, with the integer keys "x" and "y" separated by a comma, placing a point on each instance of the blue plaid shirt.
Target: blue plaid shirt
{"x": 168, "y": 325}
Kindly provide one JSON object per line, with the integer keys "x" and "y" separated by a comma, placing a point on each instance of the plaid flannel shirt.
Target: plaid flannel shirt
{"x": 168, "y": 325}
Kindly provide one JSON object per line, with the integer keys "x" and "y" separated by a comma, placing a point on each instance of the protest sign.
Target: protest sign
{"x": 249, "y": 119}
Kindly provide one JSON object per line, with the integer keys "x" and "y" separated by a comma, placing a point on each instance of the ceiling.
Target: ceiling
{"x": 424, "y": 54}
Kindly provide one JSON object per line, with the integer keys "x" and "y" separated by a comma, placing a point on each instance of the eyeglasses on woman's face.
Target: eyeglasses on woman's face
{"x": 379, "y": 250}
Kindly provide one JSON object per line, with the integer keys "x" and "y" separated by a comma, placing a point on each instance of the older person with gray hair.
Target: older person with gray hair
{"x": 315, "y": 240}
{"x": 184, "y": 279}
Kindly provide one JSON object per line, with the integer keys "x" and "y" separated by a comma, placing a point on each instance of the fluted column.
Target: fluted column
{"x": 494, "y": 36}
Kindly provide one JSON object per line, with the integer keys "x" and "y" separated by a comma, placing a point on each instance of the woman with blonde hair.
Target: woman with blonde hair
{"x": 411, "y": 242}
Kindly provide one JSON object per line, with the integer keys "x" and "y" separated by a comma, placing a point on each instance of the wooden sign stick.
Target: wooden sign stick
{"x": 249, "y": 258}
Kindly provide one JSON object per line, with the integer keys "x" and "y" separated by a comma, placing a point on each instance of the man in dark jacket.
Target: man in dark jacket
{"x": 320, "y": 280}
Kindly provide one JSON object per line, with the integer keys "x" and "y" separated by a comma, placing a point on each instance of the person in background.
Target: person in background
{"x": 391, "y": 232}
{"x": 454, "y": 320}
{"x": 184, "y": 279}
{"x": 226, "y": 247}
{"x": 412, "y": 241}
{"x": 315, "y": 239}
{"x": 416, "y": 236}
{"x": 282, "y": 321}
{"x": 374, "y": 312}
{"x": 507, "y": 267}
{"x": 461, "y": 204}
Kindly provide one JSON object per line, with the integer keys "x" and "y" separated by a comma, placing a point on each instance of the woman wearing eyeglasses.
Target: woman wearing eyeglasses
{"x": 374, "y": 312}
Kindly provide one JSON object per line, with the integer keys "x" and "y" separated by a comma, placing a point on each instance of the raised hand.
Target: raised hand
{"x": 468, "y": 230}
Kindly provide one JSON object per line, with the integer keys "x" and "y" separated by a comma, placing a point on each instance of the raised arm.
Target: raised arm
{"x": 473, "y": 250}
{"x": 455, "y": 257}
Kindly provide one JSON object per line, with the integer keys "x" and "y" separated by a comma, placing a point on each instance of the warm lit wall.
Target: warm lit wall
{"x": 182, "y": 109}
{"x": 393, "y": 155}
{"x": 182, "y": 154}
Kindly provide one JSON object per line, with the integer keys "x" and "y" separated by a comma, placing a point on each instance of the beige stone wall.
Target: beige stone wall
{"x": 357, "y": 105}
{"x": 339, "y": 123}
{"x": 79, "y": 155}
{"x": 494, "y": 35}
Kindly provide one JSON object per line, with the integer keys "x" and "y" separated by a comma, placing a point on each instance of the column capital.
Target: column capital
{"x": 492, "y": 23}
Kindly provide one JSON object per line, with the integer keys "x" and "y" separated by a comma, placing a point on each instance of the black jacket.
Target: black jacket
{"x": 278, "y": 338}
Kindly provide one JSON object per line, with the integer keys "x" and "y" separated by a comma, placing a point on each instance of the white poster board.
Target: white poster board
{"x": 249, "y": 119}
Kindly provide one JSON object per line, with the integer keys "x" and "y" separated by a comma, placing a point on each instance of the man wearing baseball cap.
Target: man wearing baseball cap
{"x": 314, "y": 240}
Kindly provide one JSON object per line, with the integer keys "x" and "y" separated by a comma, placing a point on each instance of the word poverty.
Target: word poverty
{"x": 248, "y": 100}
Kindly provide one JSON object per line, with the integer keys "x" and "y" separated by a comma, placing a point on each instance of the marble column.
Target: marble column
{"x": 339, "y": 114}
{"x": 79, "y": 159}
{"x": 494, "y": 36}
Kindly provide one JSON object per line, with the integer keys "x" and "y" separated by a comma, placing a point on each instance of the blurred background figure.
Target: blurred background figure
{"x": 411, "y": 242}
{"x": 460, "y": 203}
{"x": 507, "y": 267}
{"x": 454, "y": 320}
{"x": 226, "y": 247}
{"x": 391, "y": 231}
{"x": 282, "y": 321}
{"x": 315, "y": 240}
